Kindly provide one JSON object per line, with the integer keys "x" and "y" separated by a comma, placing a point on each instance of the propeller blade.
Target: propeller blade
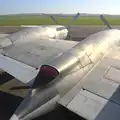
{"x": 69, "y": 35}
{"x": 74, "y": 18}
{"x": 104, "y": 20}
{"x": 71, "y": 22}
{"x": 54, "y": 19}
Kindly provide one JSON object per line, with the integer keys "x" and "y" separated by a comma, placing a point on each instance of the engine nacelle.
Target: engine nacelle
{"x": 89, "y": 51}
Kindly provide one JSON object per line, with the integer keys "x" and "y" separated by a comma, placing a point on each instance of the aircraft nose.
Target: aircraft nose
{"x": 34, "y": 100}
{"x": 14, "y": 117}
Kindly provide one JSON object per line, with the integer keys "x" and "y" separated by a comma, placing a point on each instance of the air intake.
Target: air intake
{"x": 45, "y": 75}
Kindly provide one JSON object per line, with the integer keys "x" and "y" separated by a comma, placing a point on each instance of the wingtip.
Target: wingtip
{"x": 14, "y": 117}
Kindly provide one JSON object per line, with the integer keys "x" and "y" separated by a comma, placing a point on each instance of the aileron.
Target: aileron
{"x": 19, "y": 70}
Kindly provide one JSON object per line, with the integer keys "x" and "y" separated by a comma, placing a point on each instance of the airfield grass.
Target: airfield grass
{"x": 17, "y": 20}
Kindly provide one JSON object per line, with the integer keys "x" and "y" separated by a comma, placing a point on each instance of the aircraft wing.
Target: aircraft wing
{"x": 97, "y": 95}
{"x": 26, "y": 26}
{"x": 22, "y": 59}
{"x": 3, "y": 35}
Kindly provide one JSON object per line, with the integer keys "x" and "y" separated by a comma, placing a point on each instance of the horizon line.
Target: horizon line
{"x": 59, "y": 13}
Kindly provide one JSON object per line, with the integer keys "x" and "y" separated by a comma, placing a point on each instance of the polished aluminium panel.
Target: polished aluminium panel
{"x": 80, "y": 53}
{"x": 21, "y": 71}
{"x": 102, "y": 86}
{"x": 27, "y": 48}
{"x": 31, "y": 55}
{"x": 102, "y": 42}
{"x": 97, "y": 95}
{"x": 35, "y": 99}
{"x": 72, "y": 65}
{"x": 30, "y": 50}
{"x": 74, "y": 71}
{"x": 40, "y": 32}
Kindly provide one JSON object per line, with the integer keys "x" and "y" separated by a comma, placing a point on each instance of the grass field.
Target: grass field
{"x": 45, "y": 20}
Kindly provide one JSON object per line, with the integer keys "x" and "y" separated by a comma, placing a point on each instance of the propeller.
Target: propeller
{"x": 71, "y": 22}
{"x": 69, "y": 25}
{"x": 53, "y": 19}
{"x": 104, "y": 20}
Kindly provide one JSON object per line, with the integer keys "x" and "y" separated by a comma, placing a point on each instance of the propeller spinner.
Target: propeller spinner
{"x": 70, "y": 23}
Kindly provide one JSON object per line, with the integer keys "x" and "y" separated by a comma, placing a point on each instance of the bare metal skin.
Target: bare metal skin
{"x": 71, "y": 67}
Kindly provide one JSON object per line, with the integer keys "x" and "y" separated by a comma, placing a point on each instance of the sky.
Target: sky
{"x": 60, "y": 6}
